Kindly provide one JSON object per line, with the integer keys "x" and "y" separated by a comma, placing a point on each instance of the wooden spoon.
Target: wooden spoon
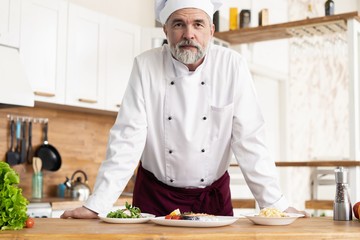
{"x": 37, "y": 164}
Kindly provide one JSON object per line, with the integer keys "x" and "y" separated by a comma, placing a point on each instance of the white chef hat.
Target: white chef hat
{"x": 164, "y": 8}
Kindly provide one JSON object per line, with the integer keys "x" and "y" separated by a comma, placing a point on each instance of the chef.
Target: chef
{"x": 188, "y": 107}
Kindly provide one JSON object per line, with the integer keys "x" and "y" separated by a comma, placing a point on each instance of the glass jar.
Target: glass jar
{"x": 37, "y": 185}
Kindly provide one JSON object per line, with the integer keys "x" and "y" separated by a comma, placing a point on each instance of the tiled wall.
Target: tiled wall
{"x": 317, "y": 100}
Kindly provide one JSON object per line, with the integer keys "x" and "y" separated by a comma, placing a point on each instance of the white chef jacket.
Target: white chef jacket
{"x": 183, "y": 126}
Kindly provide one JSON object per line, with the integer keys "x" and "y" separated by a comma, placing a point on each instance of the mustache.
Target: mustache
{"x": 191, "y": 43}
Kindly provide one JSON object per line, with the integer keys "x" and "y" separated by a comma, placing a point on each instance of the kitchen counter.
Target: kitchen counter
{"x": 68, "y": 203}
{"x": 303, "y": 228}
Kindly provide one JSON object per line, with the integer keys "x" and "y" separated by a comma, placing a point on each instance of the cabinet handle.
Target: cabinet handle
{"x": 44, "y": 94}
{"x": 87, "y": 100}
{"x": 118, "y": 105}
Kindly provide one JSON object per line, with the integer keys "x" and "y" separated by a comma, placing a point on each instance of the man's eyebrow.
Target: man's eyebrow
{"x": 176, "y": 20}
{"x": 199, "y": 21}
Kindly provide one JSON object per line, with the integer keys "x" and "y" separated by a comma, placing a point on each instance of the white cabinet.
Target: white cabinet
{"x": 84, "y": 76}
{"x": 122, "y": 45}
{"x": 9, "y": 22}
{"x": 43, "y": 47}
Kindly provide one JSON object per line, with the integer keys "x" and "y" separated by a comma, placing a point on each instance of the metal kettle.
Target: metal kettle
{"x": 77, "y": 189}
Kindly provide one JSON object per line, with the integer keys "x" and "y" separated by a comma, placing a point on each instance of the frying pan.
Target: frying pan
{"x": 12, "y": 157}
{"x": 48, "y": 154}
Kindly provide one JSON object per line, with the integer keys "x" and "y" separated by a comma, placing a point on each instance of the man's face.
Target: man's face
{"x": 189, "y": 31}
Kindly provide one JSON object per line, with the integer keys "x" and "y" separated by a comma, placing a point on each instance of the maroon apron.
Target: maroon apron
{"x": 155, "y": 197}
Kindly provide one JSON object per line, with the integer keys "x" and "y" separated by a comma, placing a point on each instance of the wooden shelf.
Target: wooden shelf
{"x": 319, "y": 204}
{"x": 306, "y": 27}
{"x": 322, "y": 163}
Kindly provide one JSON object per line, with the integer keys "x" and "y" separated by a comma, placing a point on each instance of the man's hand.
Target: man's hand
{"x": 294, "y": 210}
{"x": 80, "y": 212}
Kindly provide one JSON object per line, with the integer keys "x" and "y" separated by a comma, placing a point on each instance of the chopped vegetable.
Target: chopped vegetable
{"x": 128, "y": 212}
{"x": 29, "y": 222}
{"x": 177, "y": 215}
{"x": 13, "y": 205}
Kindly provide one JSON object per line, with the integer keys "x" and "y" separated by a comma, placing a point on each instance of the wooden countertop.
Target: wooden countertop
{"x": 303, "y": 228}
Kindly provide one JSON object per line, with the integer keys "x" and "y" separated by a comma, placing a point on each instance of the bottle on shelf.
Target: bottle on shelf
{"x": 329, "y": 7}
{"x": 216, "y": 21}
{"x": 233, "y": 19}
{"x": 310, "y": 11}
{"x": 245, "y": 18}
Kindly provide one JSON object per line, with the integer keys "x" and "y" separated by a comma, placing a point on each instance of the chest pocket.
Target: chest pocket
{"x": 221, "y": 121}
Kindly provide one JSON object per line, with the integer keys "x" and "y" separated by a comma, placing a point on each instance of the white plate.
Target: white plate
{"x": 256, "y": 219}
{"x": 146, "y": 217}
{"x": 217, "y": 221}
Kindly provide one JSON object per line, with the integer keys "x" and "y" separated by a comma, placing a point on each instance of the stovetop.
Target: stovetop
{"x": 39, "y": 210}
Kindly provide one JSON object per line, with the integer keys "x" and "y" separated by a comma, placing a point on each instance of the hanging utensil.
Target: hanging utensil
{"x": 18, "y": 135}
{"x": 12, "y": 157}
{"x": 29, "y": 150}
{"x": 23, "y": 142}
{"x": 51, "y": 159}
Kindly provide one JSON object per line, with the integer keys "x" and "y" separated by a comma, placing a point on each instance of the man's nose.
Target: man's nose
{"x": 189, "y": 32}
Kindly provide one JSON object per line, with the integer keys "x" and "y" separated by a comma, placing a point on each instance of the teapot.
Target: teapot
{"x": 77, "y": 189}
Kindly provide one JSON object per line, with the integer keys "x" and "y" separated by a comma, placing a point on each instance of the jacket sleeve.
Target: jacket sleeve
{"x": 125, "y": 146}
{"x": 248, "y": 143}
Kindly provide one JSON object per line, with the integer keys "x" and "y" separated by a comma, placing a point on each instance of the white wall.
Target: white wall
{"x": 140, "y": 12}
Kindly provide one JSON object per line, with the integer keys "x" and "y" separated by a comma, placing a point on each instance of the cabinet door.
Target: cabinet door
{"x": 84, "y": 80}
{"x": 10, "y": 22}
{"x": 123, "y": 44}
{"x": 43, "y": 47}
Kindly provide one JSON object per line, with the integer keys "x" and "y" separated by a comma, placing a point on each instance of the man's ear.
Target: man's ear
{"x": 164, "y": 29}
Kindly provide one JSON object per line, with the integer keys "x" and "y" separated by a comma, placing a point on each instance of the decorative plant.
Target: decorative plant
{"x": 13, "y": 205}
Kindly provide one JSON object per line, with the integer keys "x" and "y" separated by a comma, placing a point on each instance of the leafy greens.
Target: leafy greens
{"x": 13, "y": 205}
{"x": 128, "y": 212}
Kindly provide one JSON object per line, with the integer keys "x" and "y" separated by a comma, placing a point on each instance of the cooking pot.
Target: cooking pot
{"x": 76, "y": 188}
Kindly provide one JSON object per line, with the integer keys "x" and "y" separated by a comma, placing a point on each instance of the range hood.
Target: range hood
{"x": 15, "y": 89}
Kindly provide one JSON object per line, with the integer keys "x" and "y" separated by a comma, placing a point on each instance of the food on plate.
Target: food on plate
{"x": 356, "y": 210}
{"x": 177, "y": 215}
{"x": 174, "y": 214}
{"x": 271, "y": 212}
{"x": 128, "y": 212}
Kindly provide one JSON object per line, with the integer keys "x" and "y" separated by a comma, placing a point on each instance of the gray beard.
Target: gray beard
{"x": 188, "y": 56}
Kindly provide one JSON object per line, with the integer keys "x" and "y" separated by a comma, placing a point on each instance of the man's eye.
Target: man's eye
{"x": 178, "y": 25}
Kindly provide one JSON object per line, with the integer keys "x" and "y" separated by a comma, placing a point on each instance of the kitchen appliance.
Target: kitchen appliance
{"x": 342, "y": 204}
{"x": 77, "y": 189}
{"x": 39, "y": 210}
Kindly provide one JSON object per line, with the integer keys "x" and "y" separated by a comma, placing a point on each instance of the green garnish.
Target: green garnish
{"x": 13, "y": 205}
{"x": 128, "y": 212}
